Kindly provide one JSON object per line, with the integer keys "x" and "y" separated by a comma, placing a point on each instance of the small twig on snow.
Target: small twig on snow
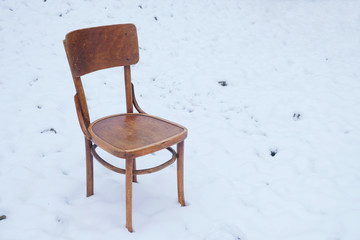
{"x": 49, "y": 130}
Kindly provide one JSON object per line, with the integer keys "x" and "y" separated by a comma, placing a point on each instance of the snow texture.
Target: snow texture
{"x": 268, "y": 89}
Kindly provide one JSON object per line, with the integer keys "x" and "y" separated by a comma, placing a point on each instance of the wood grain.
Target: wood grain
{"x": 89, "y": 168}
{"x": 129, "y": 178}
{"x": 135, "y": 135}
{"x": 180, "y": 172}
{"x": 98, "y": 48}
{"x": 135, "y": 171}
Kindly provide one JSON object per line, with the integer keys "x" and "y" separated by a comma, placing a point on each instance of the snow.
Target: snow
{"x": 292, "y": 74}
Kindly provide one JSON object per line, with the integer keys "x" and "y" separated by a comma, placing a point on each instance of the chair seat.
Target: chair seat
{"x": 133, "y": 135}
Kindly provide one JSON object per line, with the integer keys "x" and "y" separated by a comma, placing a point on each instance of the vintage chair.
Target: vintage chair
{"x": 127, "y": 135}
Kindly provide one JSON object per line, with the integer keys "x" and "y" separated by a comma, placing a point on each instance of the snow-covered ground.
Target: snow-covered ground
{"x": 293, "y": 91}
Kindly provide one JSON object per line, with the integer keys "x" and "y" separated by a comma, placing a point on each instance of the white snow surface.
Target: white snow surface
{"x": 293, "y": 88}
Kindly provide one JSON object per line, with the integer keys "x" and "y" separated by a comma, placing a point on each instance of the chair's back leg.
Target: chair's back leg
{"x": 134, "y": 168}
{"x": 129, "y": 179}
{"x": 89, "y": 169}
{"x": 180, "y": 172}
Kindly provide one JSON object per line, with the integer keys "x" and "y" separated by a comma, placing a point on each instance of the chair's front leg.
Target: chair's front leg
{"x": 89, "y": 169}
{"x": 129, "y": 179}
{"x": 180, "y": 172}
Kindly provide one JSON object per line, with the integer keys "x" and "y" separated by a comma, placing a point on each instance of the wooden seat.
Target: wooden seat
{"x": 127, "y": 135}
{"x": 135, "y": 135}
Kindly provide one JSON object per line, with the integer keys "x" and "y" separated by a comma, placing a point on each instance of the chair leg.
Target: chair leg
{"x": 134, "y": 168}
{"x": 89, "y": 169}
{"x": 180, "y": 172}
{"x": 129, "y": 179}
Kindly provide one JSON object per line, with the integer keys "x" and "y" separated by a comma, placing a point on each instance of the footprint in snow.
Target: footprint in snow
{"x": 296, "y": 116}
{"x": 273, "y": 152}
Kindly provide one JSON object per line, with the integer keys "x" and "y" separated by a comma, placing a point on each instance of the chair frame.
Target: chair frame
{"x": 78, "y": 69}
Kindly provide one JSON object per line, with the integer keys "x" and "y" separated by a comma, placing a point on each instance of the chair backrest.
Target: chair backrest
{"x": 97, "y": 48}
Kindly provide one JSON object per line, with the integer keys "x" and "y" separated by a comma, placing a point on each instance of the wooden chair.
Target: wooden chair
{"x": 128, "y": 135}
